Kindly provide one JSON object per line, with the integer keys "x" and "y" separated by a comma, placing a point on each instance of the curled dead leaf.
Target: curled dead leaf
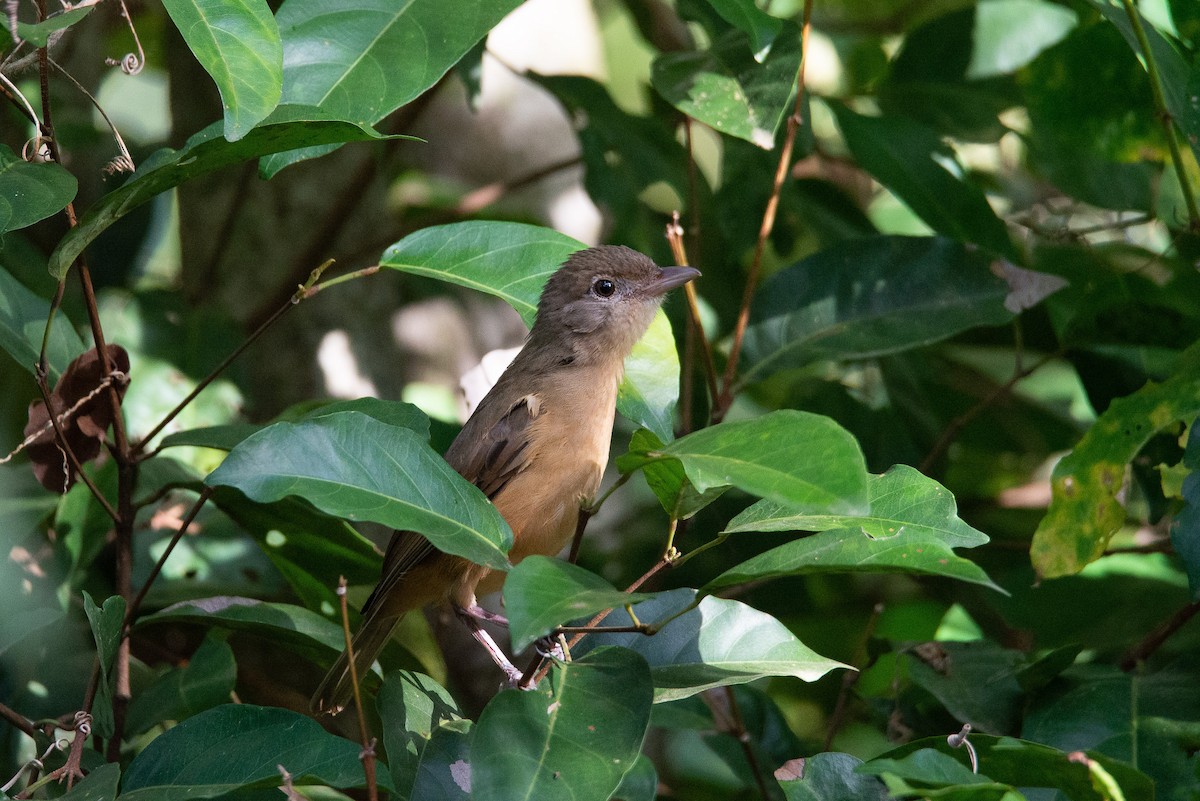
{"x": 84, "y": 414}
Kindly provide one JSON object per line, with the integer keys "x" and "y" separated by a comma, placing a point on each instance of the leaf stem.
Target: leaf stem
{"x": 1164, "y": 115}
{"x": 675, "y": 239}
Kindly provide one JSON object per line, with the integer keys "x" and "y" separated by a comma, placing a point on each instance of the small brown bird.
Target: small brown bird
{"x": 536, "y": 445}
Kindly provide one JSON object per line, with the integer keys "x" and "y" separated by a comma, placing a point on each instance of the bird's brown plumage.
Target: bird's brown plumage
{"x": 536, "y": 445}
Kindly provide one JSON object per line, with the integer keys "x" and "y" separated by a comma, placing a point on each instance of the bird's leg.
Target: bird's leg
{"x": 471, "y": 619}
{"x": 477, "y": 612}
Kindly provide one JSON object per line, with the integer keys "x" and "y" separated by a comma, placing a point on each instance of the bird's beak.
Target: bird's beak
{"x": 671, "y": 277}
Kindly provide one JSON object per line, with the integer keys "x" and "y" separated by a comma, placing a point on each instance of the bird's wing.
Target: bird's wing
{"x": 489, "y": 463}
{"x": 503, "y": 450}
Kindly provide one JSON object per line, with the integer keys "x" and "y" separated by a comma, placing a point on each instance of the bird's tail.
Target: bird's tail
{"x": 336, "y": 688}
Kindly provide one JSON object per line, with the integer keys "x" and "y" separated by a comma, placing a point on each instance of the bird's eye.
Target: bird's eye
{"x": 604, "y": 287}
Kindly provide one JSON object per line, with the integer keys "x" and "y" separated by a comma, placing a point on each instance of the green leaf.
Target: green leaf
{"x": 22, "y": 324}
{"x": 414, "y": 709}
{"x": 106, "y": 623}
{"x": 718, "y": 643}
{"x": 1084, "y": 508}
{"x": 976, "y": 682}
{"x": 38, "y": 33}
{"x": 726, "y": 88}
{"x": 237, "y": 43}
{"x": 227, "y": 437}
{"x": 1009, "y": 34}
{"x": 287, "y": 127}
{"x": 911, "y": 526}
{"x": 871, "y": 297}
{"x": 541, "y": 593}
{"x": 241, "y": 745}
{"x": 513, "y": 261}
{"x": 666, "y": 477}
{"x": 31, "y": 192}
{"x": 902, "y": 499}
{"x": 919, "y": 168}
{"x": 353, "y": 466}
{"x": 205, "y": 681}
{"x": 1016, "y": 763}
{"x": 301, "y": 631}
{"x": 311, "y": 550}
{"x": 1174, "y": 73}
{"x": 575, "y": 737}
{"x": 640, "y": 783}
{"x": 361, "y": 60}
{"x": 832, "y": 777}
{"x": 99, "y": 785}
{"x": 791, "y": 456}
{"x": 1084, "y": 136}
{"x": 748, "y": 17}
{"x": 1185, "y": 531}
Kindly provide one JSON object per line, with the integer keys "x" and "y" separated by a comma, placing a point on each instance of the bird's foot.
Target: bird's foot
{"x": 477, "y": 612}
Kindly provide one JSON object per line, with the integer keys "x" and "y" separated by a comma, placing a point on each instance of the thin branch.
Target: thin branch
{"x": 768, "y": 224}
{"x": 14, "y": 94}
{"x": 63, "y": 417}
{"x": 675, "y": 239}
{"x": 851, "y": 677}
{"x": 1164, "y": 116}
{"x": 1154, "y": 640}
{"x": 65, "y": 447}
{"x": 305, "y": 290}
{"x": 478, "y": 199}
{"x": 18, "y": 721}
{"x": 124, "y": 162}
{"x": 132, "y": 610}
{"x": 733, "y": 723}
{"x": 368, "y": 743}
{"x": 955, "y": 426}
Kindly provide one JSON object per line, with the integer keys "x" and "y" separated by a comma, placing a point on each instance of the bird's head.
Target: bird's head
{"x": 601, "y": 301}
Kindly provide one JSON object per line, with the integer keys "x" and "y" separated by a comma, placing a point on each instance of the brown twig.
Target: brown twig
{"x": 955, "y": 426}
{"x": 305, "y": 290}
{"x": 478, "y": 199}
{"x": 1154, "y": 640}
{"x": 851, "y": 677}
{"x": 729, "y": 720}
{"x": 675, "y": 239}
{"x": 132, "y": 610}
{"x": 65, "y": 447}
{"x": 368, "y": 743}
{"x": 18, "y": 721}
{"x": 768, "y": 224}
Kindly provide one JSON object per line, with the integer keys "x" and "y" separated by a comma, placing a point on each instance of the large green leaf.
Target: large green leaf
{"x": 353, "y": 466}
{"x": 31, "y": 192}
{"x": 302, "y": 631}
{"x": 237, "y": 43}
{"x": 23, "y": 322}
{"x": 575, "y": 737}
{"x": 1084, "y": 508}
{"x": 721, "y": 642}
{"x": 227, "y": 437}
{"x": 361, "y": 60}
{"x": 513, "y": 262}
{"x": 726, "y": 88}
{"x": 832, "y": 776}
{"x": 1015, "y": 762}
{"x": 870, "y": 297}
{"x": 1174, "y": 73}
{"x": 790, "y": 456}
{"x": 287, "y": 127}
{"x": 911, "y": 526}
{"x": 541, "y": 593}
{"x": 1084, "y": 135}
{"x": 415, "y": 710}
{"x": 241, "y": 745}
{"x": 919, "y": 168}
